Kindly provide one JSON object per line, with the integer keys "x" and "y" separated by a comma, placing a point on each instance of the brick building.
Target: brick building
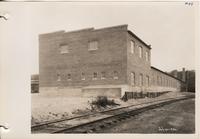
{"x": 35, "y": 83}
{"x": 91, "y": 62}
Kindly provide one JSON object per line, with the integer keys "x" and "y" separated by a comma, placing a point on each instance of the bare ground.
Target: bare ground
{"x": 48, "y": 108}
{"x": 176, "y": 118}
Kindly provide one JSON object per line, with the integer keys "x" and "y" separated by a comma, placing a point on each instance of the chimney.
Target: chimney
{"x": 183, "y": 75}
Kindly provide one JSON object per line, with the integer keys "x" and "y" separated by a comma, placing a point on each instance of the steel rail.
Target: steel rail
{"x": 35, "y": 127}
{"x": 134, "y": 112}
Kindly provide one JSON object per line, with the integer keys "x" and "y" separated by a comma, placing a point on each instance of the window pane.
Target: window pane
{"x": 132, "y": 78}
{"x": 68, "y": 76}
{"x": 82, "y": 76}
{"x": 158, "y": 80}
{"x": 147, "y": 56}
{"x": 64, "y": 49}
{"x": 161, "y": 81}
{"x": 94, "y": 75}
{"x": 58, "y": 77}
{"x": 103, "y": 75}
{"x": 147, "y": 80}
{"x": 140, "y": 51}
{"x": 115, "y": 75}
{"x": 132, "y": 46}
{"x": 93, "y": 45}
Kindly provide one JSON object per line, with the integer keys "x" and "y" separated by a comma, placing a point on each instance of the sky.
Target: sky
{"x": 168, "y": 27}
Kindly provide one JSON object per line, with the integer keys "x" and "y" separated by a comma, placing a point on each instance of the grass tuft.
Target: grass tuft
{"x": 103, "y": 101}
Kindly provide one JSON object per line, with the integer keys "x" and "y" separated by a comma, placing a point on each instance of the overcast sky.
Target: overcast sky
{"x": 167, "y": 27}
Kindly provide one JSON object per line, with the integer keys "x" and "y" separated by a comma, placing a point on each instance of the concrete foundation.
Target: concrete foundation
{"x": 90, "y": 91}
{"x": 114, "y": 91}
{"x": 110, "y": 92}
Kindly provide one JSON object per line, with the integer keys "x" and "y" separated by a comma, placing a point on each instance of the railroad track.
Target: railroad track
{"x": 93, "y": 122}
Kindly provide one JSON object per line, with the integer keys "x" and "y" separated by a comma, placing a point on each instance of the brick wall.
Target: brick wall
{"x": 137, "y": 64}
{"x": 159, "y": 79}
{"x": 110, "y": 57}
{"x": 113, "y": 54}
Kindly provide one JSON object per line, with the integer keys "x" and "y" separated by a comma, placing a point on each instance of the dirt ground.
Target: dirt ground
{"x": 178, "y": 117}
{"x": 48, "y": 108}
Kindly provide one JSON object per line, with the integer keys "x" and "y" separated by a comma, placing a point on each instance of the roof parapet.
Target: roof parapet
{"x": 123, "y": 26}
{"x": 80, "y": 30}
{"x": 51, "y": 34}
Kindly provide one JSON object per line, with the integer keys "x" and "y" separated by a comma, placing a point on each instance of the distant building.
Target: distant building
{"x": 35, "y": 83}
{"x": 92, "y": 62}
{"x": 188, "y": 76}
{"x": 190, "y": 81}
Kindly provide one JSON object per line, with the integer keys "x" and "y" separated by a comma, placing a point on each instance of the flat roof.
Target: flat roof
{"x": 98, "y": 29}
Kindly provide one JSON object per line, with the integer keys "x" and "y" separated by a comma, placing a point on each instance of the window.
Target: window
{"x": 147, "y": 56}
{"x": 93, "y": 45}
{"x": 132, "y": 47}
{"x": 64, "y": 49}
{"x": 132, "y": 78}
{"x": 158, "y": 82}
{"x": 163, "y": 81}
{"x": 69, "y": 77}
{"x": 103, "y": 75}
{"x": 153, "y": 80}
{"x": 94, "y": 76}
{"x": 140, "y": 51}
{"x": 115, "y": 75}
{"x": 58, "y": 77}
{"x": 82, "y": 76}
{"x": 141, "y": 80}
{"x": 147, "y": 80}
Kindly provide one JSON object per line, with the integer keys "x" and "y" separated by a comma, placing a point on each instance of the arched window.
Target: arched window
{"x": 132, "y": 47}
{"x": 140, "y": 51}
{"x": 94, "y": 76}
{"x": 103, "y": 75}
{"x": 147, "y": 56}
{"x": 69, "y": 77}
{"x": 132, "y": 78}
{"x": 147, "y": 80}
{"x": 82, "y": 76}
{"x": 58, "y": 77}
